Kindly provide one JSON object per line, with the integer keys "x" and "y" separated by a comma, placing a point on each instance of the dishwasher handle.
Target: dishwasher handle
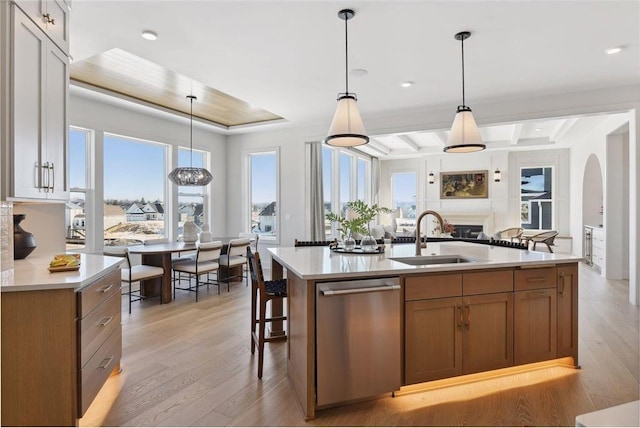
{"x": 375, "y": 289}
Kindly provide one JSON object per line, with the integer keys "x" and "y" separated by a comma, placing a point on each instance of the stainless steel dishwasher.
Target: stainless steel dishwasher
{"x": 357, "y": 339}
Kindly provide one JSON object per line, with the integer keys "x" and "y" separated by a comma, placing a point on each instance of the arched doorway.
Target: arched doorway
{"x": 592, "y": 214}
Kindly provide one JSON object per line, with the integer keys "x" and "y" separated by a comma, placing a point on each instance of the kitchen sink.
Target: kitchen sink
{"x": 431, "y": 260}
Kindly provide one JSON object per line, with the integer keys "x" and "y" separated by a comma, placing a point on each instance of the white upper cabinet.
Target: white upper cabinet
{"x": 52, "y": 16}
{"x": 39, "y": 125}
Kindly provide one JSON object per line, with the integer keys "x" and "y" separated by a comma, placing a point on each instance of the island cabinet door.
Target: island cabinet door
{"x": 487, "y": 341}
{"x": 535, "y": 325}
{"x": 568, "y": 311}
{"x": 433, "y": 339}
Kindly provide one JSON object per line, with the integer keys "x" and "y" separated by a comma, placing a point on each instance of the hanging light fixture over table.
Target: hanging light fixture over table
{"x": 464, "y": 136}
{"x": 190, "y": 176}
{"x": 347, "y": 129}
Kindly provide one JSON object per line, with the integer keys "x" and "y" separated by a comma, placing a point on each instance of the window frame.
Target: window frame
{"x": 88, "y": 191}
{"x": 552, "y": 201}
{"x": 249, "y": 196}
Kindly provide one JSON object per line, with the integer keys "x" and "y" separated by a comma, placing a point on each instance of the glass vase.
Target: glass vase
{"x": 369, "y": 244}
{"x": 349, "y": 244}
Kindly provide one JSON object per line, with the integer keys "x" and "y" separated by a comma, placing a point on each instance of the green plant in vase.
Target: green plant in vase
{"x": 357, "y": 220}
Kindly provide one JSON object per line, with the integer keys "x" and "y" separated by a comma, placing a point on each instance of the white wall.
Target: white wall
{"x": 46, "y": 222}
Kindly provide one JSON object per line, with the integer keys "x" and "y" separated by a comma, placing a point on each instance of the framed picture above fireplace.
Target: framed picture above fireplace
{"x": 464, "y": 185}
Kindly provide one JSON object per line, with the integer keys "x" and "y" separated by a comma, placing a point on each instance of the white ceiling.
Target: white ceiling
{"x": 287, "y": 57}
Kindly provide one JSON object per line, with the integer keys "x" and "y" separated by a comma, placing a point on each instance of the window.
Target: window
{"x": 346, "y": 177}
{"x": 75, "y": 213}
{"x": 192, "y": 199}
{"x": 263, "y": 182}
{"x": 536, "y": 198}
{"x": 134, "y": 187}
{"x": 403, "y": 197}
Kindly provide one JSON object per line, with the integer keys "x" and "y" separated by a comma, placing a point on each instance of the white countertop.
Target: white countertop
{"x": 322, "y": 263}
{"x": 32, "y": 273}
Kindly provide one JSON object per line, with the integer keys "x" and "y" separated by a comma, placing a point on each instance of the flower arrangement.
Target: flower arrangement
{"x": 359, "y": 222}
{"x": 446, "y": 228}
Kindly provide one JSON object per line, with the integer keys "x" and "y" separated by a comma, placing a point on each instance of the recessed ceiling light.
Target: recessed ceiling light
{"x": 358, "y": 72}
{"x": 406, "y": 84}
{"x": 538, "y": 129}
{"x": 612, "y": 51}
{"x": 149, "y": 35}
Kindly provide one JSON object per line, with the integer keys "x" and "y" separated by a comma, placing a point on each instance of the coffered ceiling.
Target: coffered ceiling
{"x": 287, "y": 57}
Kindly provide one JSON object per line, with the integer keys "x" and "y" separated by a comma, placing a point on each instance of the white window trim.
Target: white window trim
{"x": 553, "y": 192}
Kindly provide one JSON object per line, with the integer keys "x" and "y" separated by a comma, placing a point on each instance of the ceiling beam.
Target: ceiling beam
{"x": 374, "y": 145}
{"x": 440, "y": 138}
{"x": 563, "y": 128}
{"x": 406, "y": 140}
{"x": 515, "y": 135}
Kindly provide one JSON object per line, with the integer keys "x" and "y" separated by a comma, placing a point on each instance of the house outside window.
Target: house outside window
{"x": 134, "y": 190}
{"x": 536, "y": 198}
{"x": 263, "y": 194}
{"x": 77, "y": 213}
{"x": 403, "y": 197}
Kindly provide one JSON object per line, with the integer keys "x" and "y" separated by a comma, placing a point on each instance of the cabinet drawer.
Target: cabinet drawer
{"x": 432, "y": 286}
{"x": 93, "y": 295}
{"x": 94, "y": 374}
{"x": 487, "y": 282}
{"x": 533, "y": 279}
{"x": 94, "y": 329}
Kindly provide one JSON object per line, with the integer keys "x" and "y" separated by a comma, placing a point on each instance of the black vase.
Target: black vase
{"x": 23, "y": 242}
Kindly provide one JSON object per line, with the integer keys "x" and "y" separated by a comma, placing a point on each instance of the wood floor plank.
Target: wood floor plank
{"x": 189, "y": 364}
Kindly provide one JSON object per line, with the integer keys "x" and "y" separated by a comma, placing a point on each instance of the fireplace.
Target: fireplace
{"x": 470, "y": 231}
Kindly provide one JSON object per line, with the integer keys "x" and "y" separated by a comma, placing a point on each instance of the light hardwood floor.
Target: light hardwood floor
{"x": 189, "y": 364}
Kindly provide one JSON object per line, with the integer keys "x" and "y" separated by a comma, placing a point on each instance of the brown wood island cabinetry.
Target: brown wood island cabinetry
{"x": 59, "y": 345}
{"x": 457, "y": 324}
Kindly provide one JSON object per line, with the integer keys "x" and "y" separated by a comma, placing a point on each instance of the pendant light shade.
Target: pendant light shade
{"x": 465, "y": 135}
{"x": 190, "y": 176}
{"x": 347, "y": 129}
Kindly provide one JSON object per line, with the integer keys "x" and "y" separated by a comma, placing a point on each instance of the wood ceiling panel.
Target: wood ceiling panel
{"x": 127, "y": 74}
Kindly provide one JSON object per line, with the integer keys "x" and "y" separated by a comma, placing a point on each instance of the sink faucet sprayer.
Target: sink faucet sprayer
{"x": 420, "y": 217}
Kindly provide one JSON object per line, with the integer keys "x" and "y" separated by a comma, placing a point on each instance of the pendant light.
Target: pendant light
{"x": 347, "y": 129}
{"x": 190, "y": 176}
{"x": 464, "y": 136}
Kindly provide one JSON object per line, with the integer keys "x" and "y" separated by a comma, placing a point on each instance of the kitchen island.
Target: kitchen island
{"x": 61, "y": 338}
{"x": 462, "y": 308}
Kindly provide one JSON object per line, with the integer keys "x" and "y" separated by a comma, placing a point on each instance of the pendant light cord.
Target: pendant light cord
{"x": 346, "y": 55}
{"x": 191, "y": 133}
{"x": 462, "y": 41}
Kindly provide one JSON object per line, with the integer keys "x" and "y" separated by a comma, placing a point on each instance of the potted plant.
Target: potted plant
{"x": 357, "y": 220}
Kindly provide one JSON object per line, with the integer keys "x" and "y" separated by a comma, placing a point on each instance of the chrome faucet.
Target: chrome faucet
{"x": 420, "y": 217}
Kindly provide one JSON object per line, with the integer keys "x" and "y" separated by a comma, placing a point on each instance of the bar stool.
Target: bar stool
{"x": 262, "y": 292}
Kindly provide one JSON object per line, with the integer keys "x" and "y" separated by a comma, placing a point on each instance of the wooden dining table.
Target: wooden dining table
{"x": 160, "y": 255}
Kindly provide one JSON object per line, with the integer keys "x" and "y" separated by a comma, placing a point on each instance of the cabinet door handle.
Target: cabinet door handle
{"x": 467, "y": 323}
{"x": 561, "y": 285}
{"x": 107, "y": 288}
{"x": 105, "y": 363}
{"x": 49, "y": 19}
{"x": 105, "y": 322}
{"x": 459, "y": 309}
{"x": 44, "y": 176}
{"x": 52, "y": 176}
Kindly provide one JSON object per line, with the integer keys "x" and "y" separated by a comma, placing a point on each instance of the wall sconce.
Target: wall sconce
{"x": 497, "y": 176}
{"x": 431, "y": 178}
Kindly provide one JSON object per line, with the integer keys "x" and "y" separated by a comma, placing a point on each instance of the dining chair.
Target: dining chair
{"x": 262, "y": 292}
{"x": 512, "y": 233}
{"x": 206, "y": 261}
{"x": 252, "y": 237}
{"x": 235, "y": 257}
{"x": 132, "y": 274}
{"x": 546, "y": 238}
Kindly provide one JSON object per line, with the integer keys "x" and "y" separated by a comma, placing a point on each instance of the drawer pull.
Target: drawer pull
{"x": 533, "y": 294}
{"x": 107, "y": 288}
{"x": 459, "y": 309}
{"x": 105, "y": 322}
{"x": 105, "y": 363}
{"x": 538, "y": 279}
{"x": 561, "y": 285}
